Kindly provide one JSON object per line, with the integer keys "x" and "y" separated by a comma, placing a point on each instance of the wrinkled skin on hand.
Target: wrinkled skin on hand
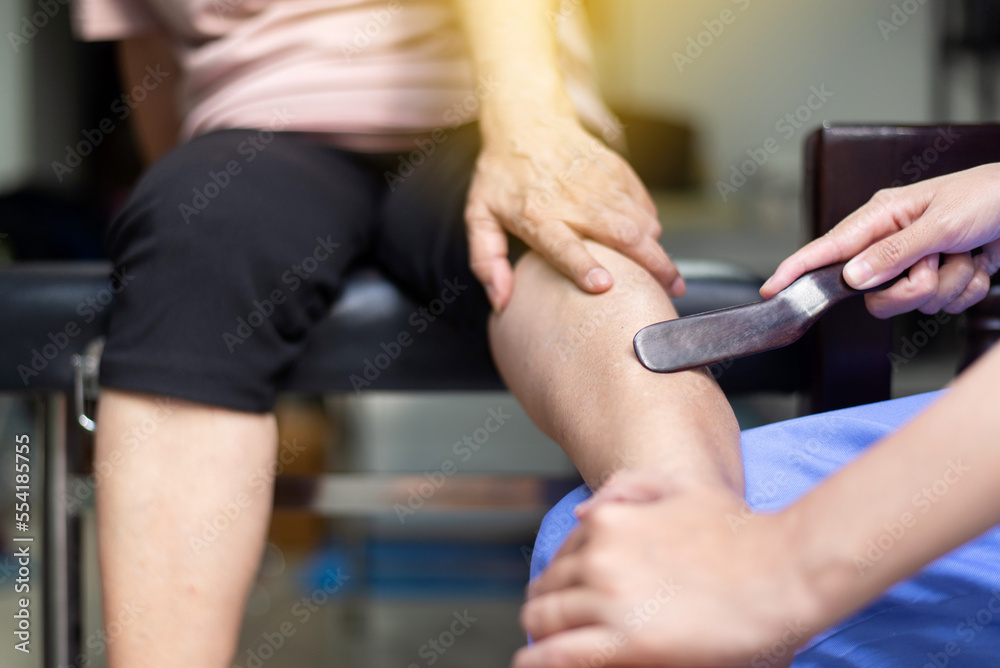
{"x": 553, "y": 185}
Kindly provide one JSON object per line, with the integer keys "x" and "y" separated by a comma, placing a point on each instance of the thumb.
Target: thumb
{"x": 630, "y": 487}
{"x": 889, "y": 257}
{"x": 488, "y": 254}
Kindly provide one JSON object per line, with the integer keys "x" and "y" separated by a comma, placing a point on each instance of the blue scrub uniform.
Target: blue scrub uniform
{"x": 946, "y": 615}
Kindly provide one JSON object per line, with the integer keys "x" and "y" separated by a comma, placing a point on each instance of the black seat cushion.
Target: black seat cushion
{"x": 51, "y": 311}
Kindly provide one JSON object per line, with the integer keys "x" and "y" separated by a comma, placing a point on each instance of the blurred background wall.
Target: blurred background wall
{"x": 15, "y": 161}
{"x": 760, "y": 68}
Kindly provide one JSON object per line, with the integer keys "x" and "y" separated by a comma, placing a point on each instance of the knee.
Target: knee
{"x": 634, "y": 291}
{"x": 633, "y": 285}
{"x": 548, "y": 314}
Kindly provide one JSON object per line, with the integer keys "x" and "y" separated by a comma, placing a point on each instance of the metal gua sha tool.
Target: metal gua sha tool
{"x": 715, "y": 336}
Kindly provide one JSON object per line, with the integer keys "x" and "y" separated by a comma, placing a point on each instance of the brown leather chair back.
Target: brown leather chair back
{"x": 845, "y": 166}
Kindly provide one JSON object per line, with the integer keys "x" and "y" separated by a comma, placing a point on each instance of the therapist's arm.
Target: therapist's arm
{"x": 540, "y": 175}
{"x": 695, "y": 579}
{"x": 148, "y": 62}
{"x": 935, "y": 484}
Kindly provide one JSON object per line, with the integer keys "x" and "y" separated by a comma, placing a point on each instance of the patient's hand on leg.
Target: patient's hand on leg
{"x": 567, "y": 356}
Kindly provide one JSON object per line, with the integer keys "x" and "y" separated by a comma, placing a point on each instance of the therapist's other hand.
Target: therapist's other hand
{"x": 639, "y": 486}
{"x": 552, "y": 185}
{"x": 929, "y": 228}
{"x": 693, "y": 579}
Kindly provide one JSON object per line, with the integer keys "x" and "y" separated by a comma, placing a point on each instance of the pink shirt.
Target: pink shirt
{"x": 368, "y": 74}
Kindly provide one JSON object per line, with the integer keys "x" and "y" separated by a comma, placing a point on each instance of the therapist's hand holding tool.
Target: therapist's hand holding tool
{"x": 930, "y": 228}
{"x": 723, "y": 595}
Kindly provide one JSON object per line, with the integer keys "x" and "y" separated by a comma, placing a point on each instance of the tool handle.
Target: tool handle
{"x": 830, "y": 280}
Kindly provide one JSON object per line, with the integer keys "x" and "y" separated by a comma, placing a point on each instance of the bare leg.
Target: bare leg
{"x": 567, "y": 356}
{"x": 174, "y": 583}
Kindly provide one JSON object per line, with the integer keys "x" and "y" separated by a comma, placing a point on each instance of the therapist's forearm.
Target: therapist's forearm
{"x": 923, "y": 491}
{"x": 513, "y": 44}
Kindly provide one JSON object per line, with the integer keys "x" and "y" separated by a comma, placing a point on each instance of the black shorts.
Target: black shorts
{"x": 236, "y": 217}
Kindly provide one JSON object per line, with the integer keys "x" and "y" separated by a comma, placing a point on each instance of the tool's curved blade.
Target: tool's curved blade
{"x": 716, "y": 336}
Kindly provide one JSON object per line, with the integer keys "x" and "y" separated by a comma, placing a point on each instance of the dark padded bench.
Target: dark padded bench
{"x": 55, "y": 310}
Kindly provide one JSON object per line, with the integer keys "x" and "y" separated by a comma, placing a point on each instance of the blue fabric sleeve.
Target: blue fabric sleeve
{"x": 946, "y": 615}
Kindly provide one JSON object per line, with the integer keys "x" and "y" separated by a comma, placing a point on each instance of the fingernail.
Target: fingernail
{"x": 598, "y": 278}
{"x": 859, "y": 274}
{"x": 678, "y": 287}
